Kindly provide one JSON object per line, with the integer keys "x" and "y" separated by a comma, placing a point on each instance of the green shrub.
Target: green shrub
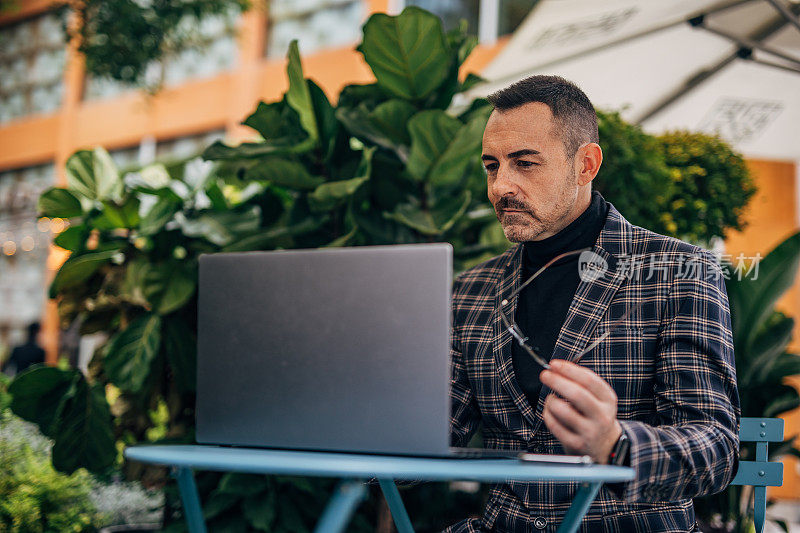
{"x": 5, "y": 397}
{"x": 34, "y": 497}
{"x": 711, "y": 186}
{"x": 688, "y": 185}
{"x": 634, "y": 175}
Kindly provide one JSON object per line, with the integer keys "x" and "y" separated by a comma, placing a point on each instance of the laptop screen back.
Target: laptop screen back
{"x": 340, "y": 350}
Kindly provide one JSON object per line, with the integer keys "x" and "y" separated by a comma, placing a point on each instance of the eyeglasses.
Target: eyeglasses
{"x": 522, "y": 340}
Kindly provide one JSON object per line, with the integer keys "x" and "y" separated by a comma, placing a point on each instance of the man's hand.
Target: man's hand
{"x": 583, "y": 413}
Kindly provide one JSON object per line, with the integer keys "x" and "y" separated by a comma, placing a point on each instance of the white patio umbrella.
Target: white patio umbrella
{"x": 730, "y": 67}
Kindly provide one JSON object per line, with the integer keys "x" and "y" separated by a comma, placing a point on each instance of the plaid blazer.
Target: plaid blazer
{"x": 671, "y": 364}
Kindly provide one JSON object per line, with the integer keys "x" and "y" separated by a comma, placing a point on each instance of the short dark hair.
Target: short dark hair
{"x": 570, "y": 106}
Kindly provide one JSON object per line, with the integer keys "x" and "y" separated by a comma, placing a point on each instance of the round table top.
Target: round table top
{"x": 359, "y": 465}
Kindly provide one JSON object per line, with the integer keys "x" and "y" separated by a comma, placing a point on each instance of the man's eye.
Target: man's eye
{"x": 491, "y": 167}
{"x": 526, "y": 163}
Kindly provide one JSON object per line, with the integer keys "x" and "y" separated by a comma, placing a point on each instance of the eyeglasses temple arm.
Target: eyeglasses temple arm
{"x": 517, "y": 334}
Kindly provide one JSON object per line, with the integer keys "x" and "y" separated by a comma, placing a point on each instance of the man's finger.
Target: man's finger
{"x": 567, "y": 415}
{"x": 583, "y": 400}
{"x": 568, "y": 439}
{"x": 585, "y": 377}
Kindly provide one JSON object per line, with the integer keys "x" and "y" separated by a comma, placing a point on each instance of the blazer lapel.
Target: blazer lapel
{"x": 592, "y": 297}
{"x": 502, "y": 339}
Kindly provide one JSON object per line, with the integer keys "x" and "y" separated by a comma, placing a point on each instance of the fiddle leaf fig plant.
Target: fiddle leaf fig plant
{"x": 386, "y": 164}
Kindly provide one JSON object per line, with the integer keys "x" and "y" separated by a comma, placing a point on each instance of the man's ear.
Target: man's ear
{"x": 588, "y": 160}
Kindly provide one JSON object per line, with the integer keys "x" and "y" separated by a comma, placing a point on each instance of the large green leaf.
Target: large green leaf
{"x": 169, "y": 285}
{"x": 132, "y": 289}
{"x": 219, "y": 151}
{"x": 386, "y": 125}
{"x": 325, "y": 117}
{"x": 392, "y": 118}
{"x": 80, "y": 174}
{"x": 214, "y": 192}
{"x": 277, "y": 122}
{"x": 776, "y": 274}
{"x": 73, "y": 238}
{"x": 285, "y": 173}
{"x": 737, "y": 300}
{"x": 770, "y": 344}
{"x": 460, "y": 41}
{"x": 334, "y": 193}
{"x": 58, "y": 202}
{"x": 465, "y": 147}
{"x": 115, "y": 215}
{"x": 83, "y": 430}
{"x": 407, "y": 53}
{"x": 381, "y": 230}
{"x": 131, "y": 353}
{"x": 155, "y": 176}
{"x": 299, "y": 96}
{"x": 37, "y": 393}
{"x": 266, "y": 119}
{"x": 221, "y": 228}
{"x": 431, "y": 132}
{"x": 437, "y": 220}
{"x": 269, "y": 239}
{"x": 179, "y": 345}
{"x": 69, "y": 411}
{"x": 471, "y": 81}
{"x": 782, "y": 398}
{"x": 217, "y": 504}
{"x": 343, "y": 240}
{"x": 788, "y": 364}
{"x": 93, "y": 175}
{"x": 79, "y": 268}
{"x": 261, "y": 510}
{"x": 355, "y": 95}
{"x": 460, "y": 44}
{"x": 159, "y": 214}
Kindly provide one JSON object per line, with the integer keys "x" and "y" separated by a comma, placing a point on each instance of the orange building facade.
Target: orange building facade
{"x": 215, "y": 105}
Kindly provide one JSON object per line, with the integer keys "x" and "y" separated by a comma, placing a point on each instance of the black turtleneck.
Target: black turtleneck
{"x": 542, "y": 306}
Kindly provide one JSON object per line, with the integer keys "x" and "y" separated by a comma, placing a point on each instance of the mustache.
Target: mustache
{"x": 510, "y": 203}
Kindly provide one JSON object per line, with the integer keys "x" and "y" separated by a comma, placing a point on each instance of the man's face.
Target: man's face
{"x": 532, "y": 182}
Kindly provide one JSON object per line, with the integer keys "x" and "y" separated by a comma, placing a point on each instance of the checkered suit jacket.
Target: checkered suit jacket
{"x": 671, "y": 364}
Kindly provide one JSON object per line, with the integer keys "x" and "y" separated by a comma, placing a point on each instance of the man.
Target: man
{"x": 28, "y": 354}
{"x": 657, "y": 392}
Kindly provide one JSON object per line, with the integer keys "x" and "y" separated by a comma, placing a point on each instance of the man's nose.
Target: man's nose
{"x": 503, "y": 184}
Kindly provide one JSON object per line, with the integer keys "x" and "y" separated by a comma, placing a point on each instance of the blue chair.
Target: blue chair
{"x": 760, "y": 473}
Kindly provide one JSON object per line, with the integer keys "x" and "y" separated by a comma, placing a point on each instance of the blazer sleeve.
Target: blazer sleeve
{"x": 692, "y": 446}
{"x": 464, "y": 412}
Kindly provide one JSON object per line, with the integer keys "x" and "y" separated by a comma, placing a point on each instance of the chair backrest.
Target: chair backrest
{"x": 760, "y": 473}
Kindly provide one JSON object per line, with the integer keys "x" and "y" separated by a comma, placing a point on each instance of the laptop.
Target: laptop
{"x": 343, "y": 349}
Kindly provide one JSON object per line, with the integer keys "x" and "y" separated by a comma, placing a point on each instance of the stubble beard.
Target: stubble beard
{"x": 527, "y": 226}
{"x": 518, "y": 227}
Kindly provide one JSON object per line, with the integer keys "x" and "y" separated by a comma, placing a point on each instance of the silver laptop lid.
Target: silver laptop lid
{"x": 344, "y": 349}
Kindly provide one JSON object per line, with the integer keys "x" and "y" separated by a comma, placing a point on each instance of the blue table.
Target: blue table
{"x": 356, "y": 468}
